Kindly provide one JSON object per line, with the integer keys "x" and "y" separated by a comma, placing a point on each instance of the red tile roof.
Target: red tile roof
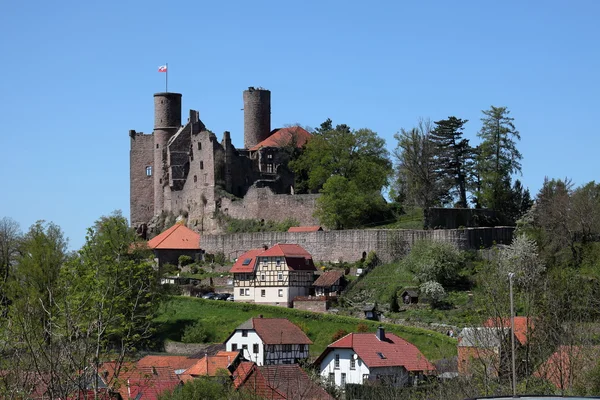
{"x": 177, "y": 237}
{"x": 394, "y": 351}
{"x": 173, "y": 362}
{"x": 129, "y": 371}
{"x": 210, "y": 365}
{"x": 328, "y": 278}
{"x": 284, "y": 136}
{"x": 520, "y": 326}
{"x": 286, "y": 250}
{"x": 149, "y": 389}
{"x": 567, "y": 364}
{"x": 314, "y": 228}
{"x": 278, "y": 382}
{"x": 296, "y": 258}
{"x": 276, "y": 331}
{"x": 239, "y": 266}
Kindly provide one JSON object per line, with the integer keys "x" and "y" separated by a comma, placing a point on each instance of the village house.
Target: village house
{"x": 176, "y": 241}
{"x": 268, "y": 341}
{"x": 273, "y": 276}
{"x": 358, "y": 358}
{"x": 221, "y": 364}
{"x": 568, "y": 366}
{"x": 330, "y": 283}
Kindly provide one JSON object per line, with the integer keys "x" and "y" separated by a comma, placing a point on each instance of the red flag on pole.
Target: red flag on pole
{"x": 162, "y": 68}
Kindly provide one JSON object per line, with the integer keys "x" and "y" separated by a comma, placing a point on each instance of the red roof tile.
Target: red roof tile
{"x": 315, "y": 228}
{"x": 210, "y": 365}
{"x": 520, "y": 326}
{"x": 172, "y": 362}
{"x": 178, "y": 237}
{"x": 128, "y": 371}
{"x": 286, "y": 250}
{"x": 149, "y": 389}
{"x": 567, "y": 364}
{"x": 284, "y": 136}
{"x": 328, "y": 278}
{"x": 394, "y": 351}
{"x": 278, "y": 382}
{"x": 239, "y": 266}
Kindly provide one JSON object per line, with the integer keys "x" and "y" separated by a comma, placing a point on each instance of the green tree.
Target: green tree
{"x": 453, "y": 157}
{"x": 417, "y": 182}
{"x": 350, "y": 168}
{"x": 10, "y": 236}
{"x": 499, "y": 158}
{"x": 435, "y": 261}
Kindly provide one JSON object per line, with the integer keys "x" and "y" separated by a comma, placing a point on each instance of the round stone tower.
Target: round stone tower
{"x": 257, "y": 116}
{"x": 167, "y": 121}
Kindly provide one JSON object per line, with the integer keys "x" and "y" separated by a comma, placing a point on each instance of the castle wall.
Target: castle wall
{"x": 141, "y": 185}
{"x": 350, "y": 245}
{"x": 262, "y": 203}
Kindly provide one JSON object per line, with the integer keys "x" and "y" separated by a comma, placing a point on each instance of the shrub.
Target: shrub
{"x": 435, "y": 261}
{"x": 197, "y": 333}
{"x": 185, "y": 260}
{"x": 372, "y": 260}
{"x": 340, "y": 333}
{"x": 434, "y": 291}
{"x": 220, "y": 258}
{"x": 362, "y": 328}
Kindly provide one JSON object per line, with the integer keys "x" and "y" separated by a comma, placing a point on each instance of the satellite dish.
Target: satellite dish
{"x": 355, "y": 356}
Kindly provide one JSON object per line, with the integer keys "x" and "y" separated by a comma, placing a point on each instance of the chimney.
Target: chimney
{"x": 260, "y": 315}
{"x": 380, "y": 333}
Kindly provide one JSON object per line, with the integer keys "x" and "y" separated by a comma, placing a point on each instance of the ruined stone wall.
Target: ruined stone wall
{"x": 141, "y": 185}
{"x": 262, "y": 203}
{"x": 349, "y": 245}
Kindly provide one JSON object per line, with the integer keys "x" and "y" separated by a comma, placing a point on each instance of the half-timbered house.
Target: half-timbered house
{"x": 273, "y": 276}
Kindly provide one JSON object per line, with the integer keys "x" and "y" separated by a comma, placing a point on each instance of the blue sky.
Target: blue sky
{"x": 78, "y": 75}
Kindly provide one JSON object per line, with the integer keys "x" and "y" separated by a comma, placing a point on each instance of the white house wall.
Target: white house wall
{"x": 249, "y": 340}
{"x": 352, "y": 375}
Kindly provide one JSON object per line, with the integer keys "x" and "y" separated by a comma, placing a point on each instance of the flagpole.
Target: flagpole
{"x": 167, "y": 78}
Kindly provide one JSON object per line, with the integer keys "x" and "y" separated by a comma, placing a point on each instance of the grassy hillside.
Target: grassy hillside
{"x": 221, "y": 318}
{"x": 379, "y": 284}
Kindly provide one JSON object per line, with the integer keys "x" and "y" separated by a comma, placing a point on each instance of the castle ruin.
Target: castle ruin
{"x": 183, "y": 169}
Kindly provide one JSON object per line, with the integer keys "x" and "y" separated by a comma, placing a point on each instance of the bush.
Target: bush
{"x": 220, "y": 259}
{"x": 362, "y": 328}
{"x": 185, "y": 260}
{"x": 434, "y": 291}
{"x": 197, "y": 333}
{"x": 435, "y": 261}
{"x": 340, "y": 333}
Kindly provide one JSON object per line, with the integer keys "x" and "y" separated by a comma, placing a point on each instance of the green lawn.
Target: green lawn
{"x": 379, "y": 284}
{"x": 223, "y": 317}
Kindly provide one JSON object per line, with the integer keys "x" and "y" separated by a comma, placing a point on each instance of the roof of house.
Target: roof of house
{"x": 210, "y": 365}
{"x": 296, "y": 258}
{"x": 177, "y": 237}
{"x": 278, "y": 382}
{"x": 121, "y": 377}
{"x": 520, "y": 326}
{"x": 565, "y": 363}
{"x": 275, "y": 331}
{"x": 328, "y": 278}
{"x": 392, "y": 351}
{"x": 314, "y": 228}
{"x": 282, "y": 137}
{"x": 286, "y": 250}
{"x": 482, "y": 337}
{"x": 211, "y": 350}
{"x": 175, "y": 363}
{"x": 246, "y": 262}
{"x": 149, "y": 389}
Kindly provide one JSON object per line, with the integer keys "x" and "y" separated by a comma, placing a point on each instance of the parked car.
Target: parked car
{"x": 222, "y": 296}
{"x": 230, "y": 298}
{"x": 209, "y": 296}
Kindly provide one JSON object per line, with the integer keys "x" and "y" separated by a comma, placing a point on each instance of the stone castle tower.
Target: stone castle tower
{"x": 183, "y": 168}
{"x": 257, "y": 116}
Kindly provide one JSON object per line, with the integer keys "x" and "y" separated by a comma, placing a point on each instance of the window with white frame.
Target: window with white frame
{"x": 263, "y": 293}
{"x": 241, "y": 292}
{"x": 352, "y": 363}
{"x": 336, "y": 363}
{"x": 278, "y": 261}
{"x": 255, "y": 348}
{"x": 280, "y": 276}
{"x": 262, "y": 277}
{"x": 280, "y": 292}
{"x": 244, "y": 332}
{"x": 247, "y": 292}
{"x": 343, "y": 379}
